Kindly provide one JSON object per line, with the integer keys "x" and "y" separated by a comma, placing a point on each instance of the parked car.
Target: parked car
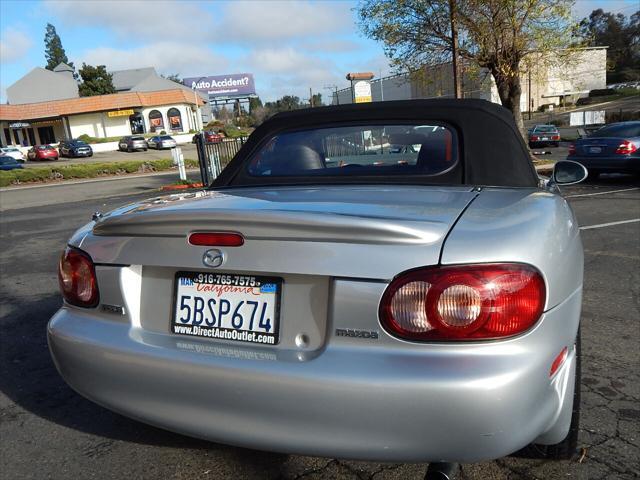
{"x": 209, "y": 137}
{"x": 612, "y": 148}
{"x": 9, "y": 163}
{"x": 75, "y": 148}
{"x": 42, "y": 152}
{"x": 132, "y": 142}
{"x": 544, "y": 135}
{"x": 12, "y": 152}
{"x": 161, "y": 141}
{"x": 342, "y": 304}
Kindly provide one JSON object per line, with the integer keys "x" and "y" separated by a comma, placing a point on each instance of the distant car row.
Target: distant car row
{"x": 131, "y": 143}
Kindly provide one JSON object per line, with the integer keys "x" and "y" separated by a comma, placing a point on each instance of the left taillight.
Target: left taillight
{"x": 77, "y": 278}
{"x": 466, "y": 302}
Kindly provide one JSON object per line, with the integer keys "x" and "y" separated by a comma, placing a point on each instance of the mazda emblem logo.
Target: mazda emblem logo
{"x": 213, "y": 258}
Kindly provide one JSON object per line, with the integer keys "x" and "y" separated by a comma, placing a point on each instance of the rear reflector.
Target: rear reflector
{"x": 626, "y": 148}
{"x": 558, "y": 361}
{"x": 465, "y": 302}
{"x": 572, "y": 149}
{"x": 216, "y": 239}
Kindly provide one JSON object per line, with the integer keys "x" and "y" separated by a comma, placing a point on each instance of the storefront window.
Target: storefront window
{"x": 137, "y": 123}
{"x": 175, "y": 120}
{"x": 156, "y": 123}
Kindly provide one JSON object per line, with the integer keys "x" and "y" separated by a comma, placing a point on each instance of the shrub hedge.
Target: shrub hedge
{"x": 87, "y": 170}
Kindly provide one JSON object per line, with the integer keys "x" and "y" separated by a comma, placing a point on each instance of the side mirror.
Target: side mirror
{"x": 567, "y": 172}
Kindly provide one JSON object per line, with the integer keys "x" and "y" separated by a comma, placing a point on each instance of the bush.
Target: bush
{"x": 163, "y": 132}
{"x": 87, "y": 170}
{"x": 601, "y": 92}
{"x": 559, "y": 122}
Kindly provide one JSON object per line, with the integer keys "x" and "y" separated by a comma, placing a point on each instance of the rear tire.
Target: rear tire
{"x": 566, "y": 449}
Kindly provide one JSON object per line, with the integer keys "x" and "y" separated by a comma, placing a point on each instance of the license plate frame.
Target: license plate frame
{"x": 223, "y": 330}
{"x": 595, "y": 149}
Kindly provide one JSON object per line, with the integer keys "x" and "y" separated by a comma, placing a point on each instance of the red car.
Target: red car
{"x": 209, "y": 137}
{"x": 42, "y": 152}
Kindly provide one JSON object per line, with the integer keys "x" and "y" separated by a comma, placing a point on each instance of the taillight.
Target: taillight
{"x": 77, "y": 278}
{"x": 465, "y": 302}
{"x": 216, "y": 239}
{"x": 533, "y": 138}
{"x": 555, "y": 137}
{"x": 572, "y": 149}
{"x": 626, "y": 148}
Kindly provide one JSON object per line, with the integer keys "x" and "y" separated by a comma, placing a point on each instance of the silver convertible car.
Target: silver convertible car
{"x": 332, "y": 294}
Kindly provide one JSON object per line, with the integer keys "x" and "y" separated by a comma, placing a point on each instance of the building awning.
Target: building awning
{"x": 98, "y": 103}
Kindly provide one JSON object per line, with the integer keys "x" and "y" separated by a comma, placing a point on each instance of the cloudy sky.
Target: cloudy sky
{"x": 289, "y": 46}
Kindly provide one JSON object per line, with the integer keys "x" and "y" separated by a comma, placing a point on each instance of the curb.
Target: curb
{"x": 169, "y": 188}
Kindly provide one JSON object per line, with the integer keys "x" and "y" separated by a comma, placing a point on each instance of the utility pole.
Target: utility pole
{"x": 529, "y": 95}
{"x": 457, "y": 91}
{"x": 334, "y": 91}
{"x": 310, "y": 97}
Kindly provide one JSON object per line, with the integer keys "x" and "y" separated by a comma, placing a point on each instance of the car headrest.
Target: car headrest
{"x": 296, "y": 158}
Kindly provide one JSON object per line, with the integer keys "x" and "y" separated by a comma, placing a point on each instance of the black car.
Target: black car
{"x": 612, "y": 148}
{"x": 75, "y": 148}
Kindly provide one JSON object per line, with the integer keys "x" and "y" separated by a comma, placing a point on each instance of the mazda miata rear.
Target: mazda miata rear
{"x": 386, "y": 281}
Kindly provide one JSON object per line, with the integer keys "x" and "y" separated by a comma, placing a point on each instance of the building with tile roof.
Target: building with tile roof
{"x": 44, "y": 107}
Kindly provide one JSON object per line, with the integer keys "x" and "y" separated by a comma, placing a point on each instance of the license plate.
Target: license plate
{"x": 244, "y": 308}
{"x": 595, "y": 149}
{"x": 544, "y": 138}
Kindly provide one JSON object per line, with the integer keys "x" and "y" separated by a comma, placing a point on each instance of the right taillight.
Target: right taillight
{"x": 77, "y": 278}
{"x": 626, "y": 148}
{"x": 572, "y": 149}
{"x": 466, "y": 302}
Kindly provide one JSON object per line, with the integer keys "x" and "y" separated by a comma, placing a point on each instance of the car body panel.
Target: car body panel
{"x": 598, "y": 154}
{"x": 354, "y": 399}
{"x": 9, "y": 163}
{"x": 12, "y": 152}
{"x": 40, "y": 153}
{"x": 73, "y": 148}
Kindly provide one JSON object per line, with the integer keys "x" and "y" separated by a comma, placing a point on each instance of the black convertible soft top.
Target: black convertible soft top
{"x": 492, "y": 150}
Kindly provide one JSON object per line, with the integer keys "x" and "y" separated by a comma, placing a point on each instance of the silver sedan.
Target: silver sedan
{"x": 330, "y": 295}
{"x": 161, "y": 141}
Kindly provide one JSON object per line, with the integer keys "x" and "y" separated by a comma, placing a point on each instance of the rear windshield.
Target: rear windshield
{"x": 137, "y": 138}
{"x": 546, "y": 129}
{"x": 78, "y": 143}
{"x": 166, "y": 137}
{"x": 618, "y": 131}
{"x": 364, "y": 150}
{"x": 10, "y": 149}
{"x": 44, "y": 147}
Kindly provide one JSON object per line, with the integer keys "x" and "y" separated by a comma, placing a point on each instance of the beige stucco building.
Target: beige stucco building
{"x": 554, "y": 78}
{"x": 172, "y": 111}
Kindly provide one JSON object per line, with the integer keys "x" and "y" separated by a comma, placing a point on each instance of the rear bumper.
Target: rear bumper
{"x": 618, "y": 163}
{"x": 461, "y": 403}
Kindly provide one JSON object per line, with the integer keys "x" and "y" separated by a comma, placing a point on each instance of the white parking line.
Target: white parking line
{"x": 610, "y": 224}
{"x": 602, "y": 193}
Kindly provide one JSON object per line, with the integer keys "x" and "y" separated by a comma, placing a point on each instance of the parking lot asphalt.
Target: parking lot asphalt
{"x": 49, "y": 431}
{"x": 188, "y": 150}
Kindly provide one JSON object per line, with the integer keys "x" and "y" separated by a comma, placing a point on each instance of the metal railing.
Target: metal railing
{"x": 213, "y": 157}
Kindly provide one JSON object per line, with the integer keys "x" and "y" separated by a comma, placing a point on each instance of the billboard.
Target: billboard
{"x": 233, "y": 85}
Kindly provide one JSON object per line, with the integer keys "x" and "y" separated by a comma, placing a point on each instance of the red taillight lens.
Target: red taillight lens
{"x": 533, "y": 138}
{"x": 626, "y": 148}
{"x": 216, "y": 239}
{"x": 572, "y": 149}
{"x": 77, "y": 278}
{"x": 463, "y": 302}
{"x": 555, "y": 137}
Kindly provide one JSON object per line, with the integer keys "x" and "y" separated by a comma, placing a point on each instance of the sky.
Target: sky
{"x": 289, "y": 46}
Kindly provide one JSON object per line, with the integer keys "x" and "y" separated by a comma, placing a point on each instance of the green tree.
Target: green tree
{"x": 316, "y": 100}
{"x": 494, "y": 34}
{"x": 53, "y": 51}
{"x": 622, "y": 36}
{"x": 95, "y": 81}
{"x": 254, "y": 103}
{"x": 174, "y": 77}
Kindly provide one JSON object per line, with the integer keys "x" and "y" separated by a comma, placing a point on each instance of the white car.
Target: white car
{"x": 12, "y": 152}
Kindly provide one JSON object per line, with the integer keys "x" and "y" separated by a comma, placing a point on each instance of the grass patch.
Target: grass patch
{"x": 87, "y": 170}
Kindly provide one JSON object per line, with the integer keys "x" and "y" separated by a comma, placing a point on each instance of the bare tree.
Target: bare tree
{"x": 493, "y": 34}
